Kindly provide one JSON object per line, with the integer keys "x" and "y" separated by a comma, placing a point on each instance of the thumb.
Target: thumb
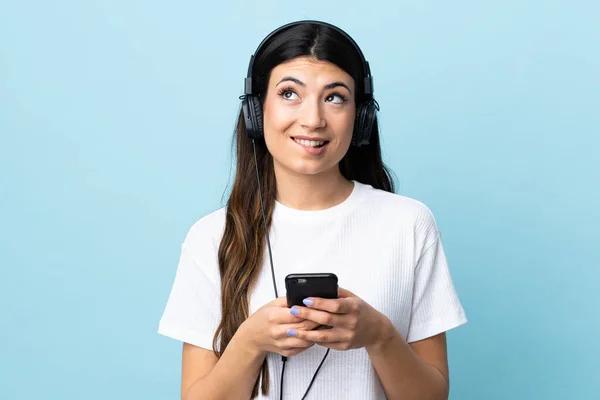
{"x": 280, "y": 301}
{"x": 342, "y": 293}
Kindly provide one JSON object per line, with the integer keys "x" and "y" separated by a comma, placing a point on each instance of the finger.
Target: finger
{"x": 291, "y": 342}
{"x": 337, "y": 345}
{"x": 342, "y": 293}
{"x": 280, "y": 301}
{"x": 279, "y": 316}
{"x": 294, "y": 351}
{"x": 321, "y": 317}
{"x": 336, "y": 306}
{"x": 323, "y": 336}
{"x": 305, "y": 325}
{"x": 322, "y": 327}
{"x": 281, "y": 330}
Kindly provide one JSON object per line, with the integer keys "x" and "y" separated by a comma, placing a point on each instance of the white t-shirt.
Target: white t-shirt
{"x": 384, "y": 247}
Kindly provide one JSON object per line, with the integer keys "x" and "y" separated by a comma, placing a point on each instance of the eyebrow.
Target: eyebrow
{"x": 299, "y": 82}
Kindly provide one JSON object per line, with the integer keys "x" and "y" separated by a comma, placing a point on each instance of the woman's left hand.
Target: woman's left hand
{"x": 354, "y": 322}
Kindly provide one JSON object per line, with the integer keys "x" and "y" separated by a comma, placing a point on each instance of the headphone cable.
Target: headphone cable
{"x": 283, "y": 358}
{"x": 314, "y": 376}
{"x": 262, "y": 208}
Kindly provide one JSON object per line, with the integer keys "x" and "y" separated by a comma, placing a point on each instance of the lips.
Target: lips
{"x": 311, "y": 145}
{"x": 310, "y": 142}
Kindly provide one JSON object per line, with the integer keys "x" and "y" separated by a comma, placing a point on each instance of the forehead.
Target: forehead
{"x": 311, "y": 71}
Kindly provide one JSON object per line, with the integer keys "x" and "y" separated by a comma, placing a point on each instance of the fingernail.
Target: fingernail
{"x": 295, "y": 311}
{"x": 291, "y": 332}
{"x": 308, "y": 302}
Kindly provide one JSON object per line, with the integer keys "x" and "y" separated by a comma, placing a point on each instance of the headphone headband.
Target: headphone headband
{"x": 368, "y": 79}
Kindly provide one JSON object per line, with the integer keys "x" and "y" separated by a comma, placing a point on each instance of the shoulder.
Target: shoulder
{"x": 201, "y": 245}
{"x": 397, "y": 206}
{"x": 206, "y": 232}
{"x": 401, "y": 211}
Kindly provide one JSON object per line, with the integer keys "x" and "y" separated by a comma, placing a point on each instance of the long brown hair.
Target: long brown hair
{"x": 242, "y": 245}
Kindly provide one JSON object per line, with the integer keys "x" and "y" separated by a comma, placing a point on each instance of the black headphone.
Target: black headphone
{"x": 366, "y": 111}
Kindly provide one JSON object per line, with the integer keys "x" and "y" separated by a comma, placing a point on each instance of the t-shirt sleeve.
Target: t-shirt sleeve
{"x": 436, "y": 307}
{"x": 193, "y": 310}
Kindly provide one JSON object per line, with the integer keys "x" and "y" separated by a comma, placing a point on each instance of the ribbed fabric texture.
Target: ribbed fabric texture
{"x": 385, "y": 248}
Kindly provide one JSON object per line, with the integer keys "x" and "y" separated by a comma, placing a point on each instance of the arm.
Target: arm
{"x": 230, "y": 377}
{"x": 234, "y": 374}
{"x": 417, "y": 368}
{"x": 407, "y": 371}
{"x": 411, "y": 371}
{"x": 193, "y": 314}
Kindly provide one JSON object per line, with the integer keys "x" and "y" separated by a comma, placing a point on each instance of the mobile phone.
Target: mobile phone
{"x": 300, "y": 286}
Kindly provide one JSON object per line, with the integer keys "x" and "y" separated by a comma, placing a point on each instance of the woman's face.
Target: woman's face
{"x": 309, "y": 116}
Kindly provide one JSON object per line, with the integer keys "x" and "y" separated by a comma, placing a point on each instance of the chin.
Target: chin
{"x": 303, "y": 168}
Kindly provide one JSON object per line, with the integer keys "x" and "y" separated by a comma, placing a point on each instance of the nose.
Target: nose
{"x": 311, "y": 115}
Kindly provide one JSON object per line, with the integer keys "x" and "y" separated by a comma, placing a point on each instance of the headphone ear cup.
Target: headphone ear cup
{"x": 364, "y": 122}
{"x": 258, "y": 118}
{"x": 252, "y": 110}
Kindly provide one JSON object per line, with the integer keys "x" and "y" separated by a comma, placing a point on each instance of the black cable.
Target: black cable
{"x": 264, "y": 220}
{"x": 262, "y": 208}
{"x": 284, "y": 359}
{"x": 315, "y": 375}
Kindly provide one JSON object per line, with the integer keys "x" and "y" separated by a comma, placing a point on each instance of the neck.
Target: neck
{"x": 312, "y": 192}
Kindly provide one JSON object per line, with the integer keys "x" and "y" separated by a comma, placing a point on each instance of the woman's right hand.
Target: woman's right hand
{"x": 266, "y": 329}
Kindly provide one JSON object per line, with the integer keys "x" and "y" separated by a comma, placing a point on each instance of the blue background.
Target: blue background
{"x": 115, "y": 126}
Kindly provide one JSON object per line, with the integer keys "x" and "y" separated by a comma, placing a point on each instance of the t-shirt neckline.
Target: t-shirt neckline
{"x": 289, "y": 213}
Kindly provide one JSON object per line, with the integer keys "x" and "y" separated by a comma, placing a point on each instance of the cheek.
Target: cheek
{"x": 275, "y": 119}
{"x": 345, "y": 126}
{"x": 275, "y": 125}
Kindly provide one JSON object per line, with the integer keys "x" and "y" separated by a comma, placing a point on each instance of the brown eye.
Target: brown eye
{"x": 339, "y": 99}
{"x": 287, "y": 94}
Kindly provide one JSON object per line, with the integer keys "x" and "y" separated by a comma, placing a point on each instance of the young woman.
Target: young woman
{"x": 308, "y": 135}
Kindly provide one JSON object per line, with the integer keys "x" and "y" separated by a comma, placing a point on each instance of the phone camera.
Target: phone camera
{"x": 294, "y": 280}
